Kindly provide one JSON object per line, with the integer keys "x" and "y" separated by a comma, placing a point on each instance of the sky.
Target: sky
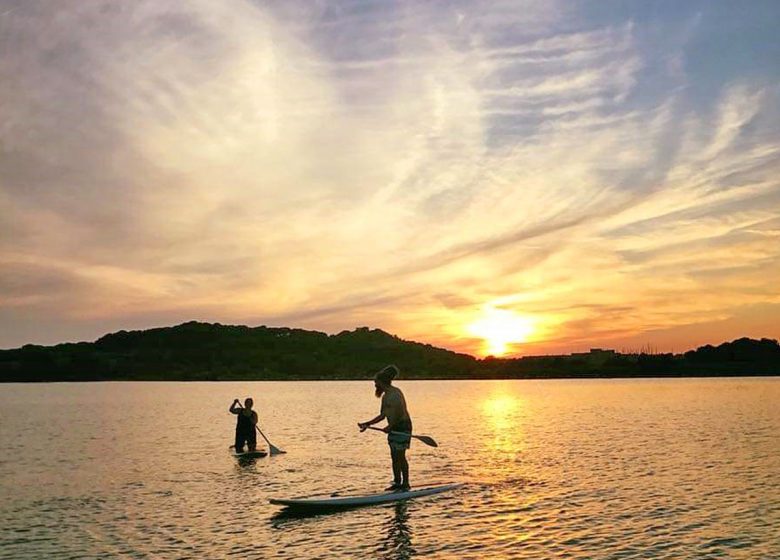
{"x": 525, "y": 177}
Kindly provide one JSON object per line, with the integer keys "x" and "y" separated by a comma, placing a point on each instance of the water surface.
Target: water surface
{"x": 552, "y": 469}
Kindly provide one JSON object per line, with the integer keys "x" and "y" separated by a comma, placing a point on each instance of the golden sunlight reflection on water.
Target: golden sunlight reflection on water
{"x": 502, "y": 414}
{"x": 577, "y": 469}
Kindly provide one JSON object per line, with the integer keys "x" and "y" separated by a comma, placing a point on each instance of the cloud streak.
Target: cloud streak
{"x": 403, "y": 165}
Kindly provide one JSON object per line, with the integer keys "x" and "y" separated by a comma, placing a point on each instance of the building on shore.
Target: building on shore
{"x": 596, "y": 356}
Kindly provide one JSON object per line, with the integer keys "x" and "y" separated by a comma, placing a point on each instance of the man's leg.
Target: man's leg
{"x": 404, "y": 467}
{"x": 239, "y": 443}
{"x": 394, "y": 455}
{"x": 251, "y": 443}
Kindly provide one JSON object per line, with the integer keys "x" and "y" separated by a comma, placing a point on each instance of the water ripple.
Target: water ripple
{"x": 591, "y": 469}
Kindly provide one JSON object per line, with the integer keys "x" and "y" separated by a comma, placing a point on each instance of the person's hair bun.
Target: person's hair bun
{"x": 387, "y": 373}
{"x": 391, "y": 371}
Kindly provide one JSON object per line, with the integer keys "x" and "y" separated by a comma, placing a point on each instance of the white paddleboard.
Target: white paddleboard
{"x": 336, "y": 501}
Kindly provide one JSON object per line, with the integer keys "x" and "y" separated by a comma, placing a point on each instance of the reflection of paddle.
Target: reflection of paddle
{"x": 427, "y": 440}
{"x": 271, "y": 447}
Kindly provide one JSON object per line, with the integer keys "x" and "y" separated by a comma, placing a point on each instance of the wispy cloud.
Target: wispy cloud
{"x": 401, "y": 165}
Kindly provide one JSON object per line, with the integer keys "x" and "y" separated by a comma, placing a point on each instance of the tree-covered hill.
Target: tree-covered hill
{"x": 742, "y": 357}
{"x": 206, "y": 351}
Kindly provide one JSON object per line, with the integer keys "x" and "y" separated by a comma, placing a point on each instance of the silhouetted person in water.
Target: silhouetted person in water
{"x": 245, "y": 424}
{"x": 399, "y": 424}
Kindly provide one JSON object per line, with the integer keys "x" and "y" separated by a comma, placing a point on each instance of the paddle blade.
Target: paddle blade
{"x": 271, "y": 447}
{"x": 427, "y": 440}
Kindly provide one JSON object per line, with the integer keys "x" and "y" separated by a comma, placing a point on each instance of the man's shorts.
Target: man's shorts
{"x": 398, "y": 441}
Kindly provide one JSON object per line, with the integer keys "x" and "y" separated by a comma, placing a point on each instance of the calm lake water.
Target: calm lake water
{"x": 552, "y": 469}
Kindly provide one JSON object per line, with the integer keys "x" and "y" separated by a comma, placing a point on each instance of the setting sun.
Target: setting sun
{"x": 499, "y": 328}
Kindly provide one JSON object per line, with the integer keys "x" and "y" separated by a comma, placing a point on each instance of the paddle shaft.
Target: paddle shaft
{"x": 271, "y": 447}
{"x": 427, "y": 440}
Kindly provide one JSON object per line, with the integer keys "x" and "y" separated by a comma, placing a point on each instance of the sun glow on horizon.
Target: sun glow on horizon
{"x": 500, "y": 328}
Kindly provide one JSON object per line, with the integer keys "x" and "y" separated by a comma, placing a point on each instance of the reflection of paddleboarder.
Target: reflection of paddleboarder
{"x": 245, "y": 424}
{"x": 398, "y": 420}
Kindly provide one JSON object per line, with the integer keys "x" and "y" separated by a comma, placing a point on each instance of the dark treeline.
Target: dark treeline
{"x": 742, "y": 357}
{"x": 204, "y": 351}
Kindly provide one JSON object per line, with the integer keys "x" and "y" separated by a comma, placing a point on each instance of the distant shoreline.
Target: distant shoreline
{"x": 214, "y": 352}
{"x": 401, "y": 380}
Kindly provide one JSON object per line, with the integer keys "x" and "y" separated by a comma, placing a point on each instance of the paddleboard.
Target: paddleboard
{"x": 248, "y": 454}
{"x": 337, "y": 501}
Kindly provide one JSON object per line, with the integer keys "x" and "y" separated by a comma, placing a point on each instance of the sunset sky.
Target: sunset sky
{"x": 522, "y": 177}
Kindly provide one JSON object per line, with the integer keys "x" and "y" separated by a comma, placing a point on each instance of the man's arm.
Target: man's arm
{"x": 254, "y": 418}
{"x": 364, "y": 425}
{"x": 235, "y": 409}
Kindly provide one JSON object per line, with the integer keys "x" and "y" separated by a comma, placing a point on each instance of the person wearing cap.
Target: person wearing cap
{"x": 399, "y": 424}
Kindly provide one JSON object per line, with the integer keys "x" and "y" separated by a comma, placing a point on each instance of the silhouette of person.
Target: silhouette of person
{"x": 399, "y": 424}
{"x": 245, "y": 424}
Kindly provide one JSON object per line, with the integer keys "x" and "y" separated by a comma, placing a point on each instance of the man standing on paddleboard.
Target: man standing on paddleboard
{"x": 245, "y": 424}
{"x": 399, "y": 424}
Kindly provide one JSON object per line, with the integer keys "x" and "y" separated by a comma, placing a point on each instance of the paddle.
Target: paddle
{"x": 427, "y": 440}
{"x": 271, "y": 447}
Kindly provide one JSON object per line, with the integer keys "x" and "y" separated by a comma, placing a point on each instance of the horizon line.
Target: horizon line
{"x": 488, "y": 357}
